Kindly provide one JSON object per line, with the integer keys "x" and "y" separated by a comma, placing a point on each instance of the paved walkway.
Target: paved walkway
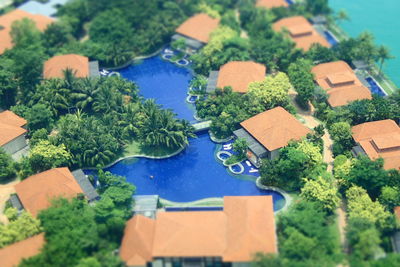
{"x": 5, "y": 191}
{"x": 311, "y": 122}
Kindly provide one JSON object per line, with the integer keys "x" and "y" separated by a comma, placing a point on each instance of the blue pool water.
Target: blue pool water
{"x": 290, "y": 2}
{"x": 374, "y": 87}
{"x": 330, "y": 38}
{"x": 163, "y": 81}
{"x": 191, "y": 175}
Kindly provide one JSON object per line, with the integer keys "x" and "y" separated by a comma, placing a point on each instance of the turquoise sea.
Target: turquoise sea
{"x": 380, "y": 17}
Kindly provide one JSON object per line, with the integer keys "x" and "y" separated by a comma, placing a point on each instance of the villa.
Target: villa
{"x": 36, "y": 192}
{"x": 301, "y": 32}
{"x": 272, "y": 3}
{"x": 12, "y": 255}
{"x": 268, "y": 132}
{"x": 379, "y": 139}
{"x": 196, "y": 31}
{"x": 236, "y": 74}
{"x": 230, "y": 237}
{"x": 12, "y": 132}
{"x": 80, "y": 65}
{"x": 340, "y": 82}
{"x": 7, "y": 20}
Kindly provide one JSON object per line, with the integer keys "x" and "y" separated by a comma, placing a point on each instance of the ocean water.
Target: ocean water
{"x": 381, "y": 18}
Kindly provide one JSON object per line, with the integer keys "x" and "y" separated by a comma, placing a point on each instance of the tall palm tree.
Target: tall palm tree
{"x": 383, "y": 54}
{"x": 84, "y": 93}
{"x": 341, "y": 16}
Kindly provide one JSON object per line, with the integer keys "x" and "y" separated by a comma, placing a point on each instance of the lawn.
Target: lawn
{"x": 135, "y": 148}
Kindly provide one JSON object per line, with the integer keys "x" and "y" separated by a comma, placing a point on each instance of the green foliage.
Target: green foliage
{"x": 341, "y": 134}
{"x": 44, "y": 156}
{"x": 179, "y": 44}
{"x": 6, "y": 166}
{"x": 271, "y": 92}
{"x": 19, "y": 228}
{"x": 39, "y": 117}
{"x": 302, "y": 79}
{"x": 321, "y": 191}
{"x": 317, "y": 7}
{"x": 8, "y": 84}
{"x": 56, "y": 36}
{"x": 295, "y": 162}
{"x": 390, "y": 197}
{"x": 361, "y": 206}
{"x": 38, "y": 136}
{"x": 321, "y": 54}
{"x": 240, "y": 146}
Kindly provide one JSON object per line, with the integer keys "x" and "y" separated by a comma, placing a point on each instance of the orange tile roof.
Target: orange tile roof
{"x": 380, "y": 139}
{"x": 245, "y": 226}
{"x": 36, "y": 192}
{"x": 271, "y": 3}
{"x": 10, "y": 126}
{"x": 340, "y": 82}
{"x": 239, "y": 74}
{"x": 301, "y": 32}
{"x": 198, "y": 27}
{"x": 7, "y": 20}
{"x": 275, "y": 128}
{"x": 397, "y": 212}
{"x": 55, "y": 66}
{"x": 12, "y": 255}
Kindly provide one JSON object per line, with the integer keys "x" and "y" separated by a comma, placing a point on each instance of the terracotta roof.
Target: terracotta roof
{"x": 10, "y": 126}
{"x": 340, "y": 82}
{"x": 271, "y": 3}
{"x": 301, "y": 32}
{"x": 55, "y": 66}
{"x": 380, "y": 139}
{"x": 239, "y": 74}
{"x": 13, "y": 254}
{"x": 245, "y": 226}
{"x": 275, "y": 128}
{"x": 397, "y": 212}
{"x": 198, "y": 27}
{"x": 36, "y": 192}
{"x": 7, "y": 20}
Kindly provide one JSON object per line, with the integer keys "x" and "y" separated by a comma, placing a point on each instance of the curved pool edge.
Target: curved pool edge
{"x": 286, "y": 196}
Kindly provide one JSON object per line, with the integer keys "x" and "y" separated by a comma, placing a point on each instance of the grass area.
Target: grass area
{"x": 135, "y": 148}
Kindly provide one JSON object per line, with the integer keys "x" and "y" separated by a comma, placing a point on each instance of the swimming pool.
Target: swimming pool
{"x": 193, "y": 174}
{"x": 330, "y": 38}
{"x": 163, "y": 81}
{"x": 374, "y": 87}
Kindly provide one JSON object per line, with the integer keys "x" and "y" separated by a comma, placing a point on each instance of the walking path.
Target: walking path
{"x": 311, "y": 122}
{"x": 5, "y": 191}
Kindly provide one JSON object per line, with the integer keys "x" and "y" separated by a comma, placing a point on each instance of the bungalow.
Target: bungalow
{"x": 12, "y": 132}
{"x": 268, "y": 132}
{"x": 236, "y": 74}
{"x": 9, "y": 18}
{"x": 231, "y": 236}
{"x": 80, "y": 65}
{"x": 196, "y": 30}
{"x": 301, "y": 31}
{"x": 272, "y": 3}
{"x": 35, "y": 192}
{"x": 340, "y": 82}
{"x": 379, "y": 139}
{"x": 13, "y": 255}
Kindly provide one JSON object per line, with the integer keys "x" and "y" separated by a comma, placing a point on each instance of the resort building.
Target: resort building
{"x": 268, "y": 132}
{"x": 272, "y": 3}
{"x": 236, "y": 74}
{"x": 379, "y": 139}
{"x": 230, "y": 237}
{"x": 80, "y": 66}
{"x": 340, "y": 83}
{"x": 196, "y": 31}
{"x": 13, "y": 255}
{"x": 9, "y": 18}
{"x": 36, "y": 192}
{"x": 301, "y": 32}
{"x": 12, "y": 132}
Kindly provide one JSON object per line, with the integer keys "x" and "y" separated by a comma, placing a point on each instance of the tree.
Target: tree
{"x": 341, "y": 16}
{"x": 361, "y": 206}
{"x": 317, "y": 7}
{"x": 390, "y": 197}
{"x": 39, "y": 117}
{"x": 55, "y": 36}
{"x": 302, "y": 79}
{"x": 44, "y": 156}
{"x": 320, "y": 54}
{"x": 382, "y": 54}
{"x": 8, "y": 84}
{"x": 240, "y": 146}
{"x": 7, "y": 170}
{"x": 342, "y": 136}
{"x": 321, "y": 191}
{"x": 271, "y": 92}
{"x": 179, "y": 44}
{"x": 19, "y": 228}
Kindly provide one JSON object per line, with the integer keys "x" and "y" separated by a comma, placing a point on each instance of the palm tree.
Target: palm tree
{"x": 383, "y": 53}
{"x": 85, "y": 92}
{"x": 341, "y": 16}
